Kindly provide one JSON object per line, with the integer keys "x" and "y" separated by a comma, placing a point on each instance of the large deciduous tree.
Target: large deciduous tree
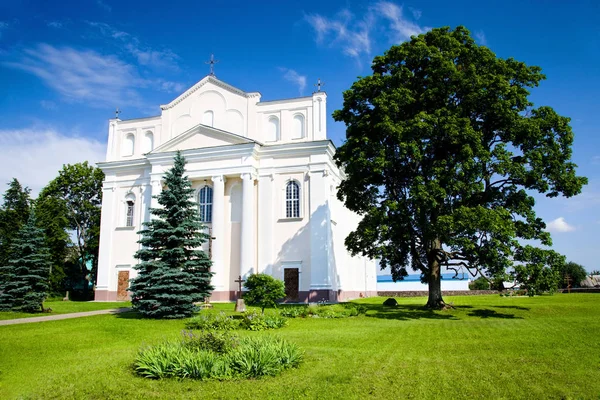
{"x": 443, "y": 153}
{"x": 173, "y": 272}
{"x": 77, "y": 191}
{"x": 25, "y": 283}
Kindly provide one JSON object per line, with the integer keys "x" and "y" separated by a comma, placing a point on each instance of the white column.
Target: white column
{"x": 266, "y": 222}
{"x": 218, "y": 232}
{"x": 105, "y": 266}
{"x": 319, "y": 232}
{"x": 248, "y": 227}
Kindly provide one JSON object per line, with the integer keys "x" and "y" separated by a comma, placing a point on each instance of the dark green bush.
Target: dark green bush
{"x": 209, "y": 320}
{"x": 263, "y": 291}
{"x": 479, "y": 284}
{"x": 390, "y": 302}
{"x": 190, "y": 358}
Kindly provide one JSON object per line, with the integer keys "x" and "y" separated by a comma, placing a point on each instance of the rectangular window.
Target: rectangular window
{"x": 129, "y": 221}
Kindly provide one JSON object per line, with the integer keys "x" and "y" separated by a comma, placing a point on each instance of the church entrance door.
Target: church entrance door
{"x": 123, "y": 285}
{"x": 292, "y": 283}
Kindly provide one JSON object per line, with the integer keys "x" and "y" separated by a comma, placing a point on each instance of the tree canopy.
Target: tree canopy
{"x": 14, "y": 214}
{"x": 74, "y": 197}
{"x": 174, "y": 272}
{"x": 443, "y": 152}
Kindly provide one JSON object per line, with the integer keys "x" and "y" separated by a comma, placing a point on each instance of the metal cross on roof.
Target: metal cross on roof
{"x": 319, "y": 84}
{"x": 212, "y": 63}
{"x": 117, "y": 112}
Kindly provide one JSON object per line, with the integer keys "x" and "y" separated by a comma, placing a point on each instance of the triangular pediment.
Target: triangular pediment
{"x": 210, "y": 80}
{"x": 202, "y": 136}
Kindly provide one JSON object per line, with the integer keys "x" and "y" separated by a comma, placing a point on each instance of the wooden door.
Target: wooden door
{"x": 123, "y": 285}
{"x": 292, "y": 283}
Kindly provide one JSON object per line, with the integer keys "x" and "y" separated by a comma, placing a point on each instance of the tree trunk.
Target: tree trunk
{"x": 435, "y": 300}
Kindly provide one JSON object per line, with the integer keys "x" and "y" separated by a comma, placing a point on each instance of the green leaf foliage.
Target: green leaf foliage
{"x": 571, "y": 272}
{"x": 173, "y": 273}
{"x": 443, "y": 153}
{"x": 263, "y": 290}
{"x": 25, "y": 276}
{"x": 71, "y": 202}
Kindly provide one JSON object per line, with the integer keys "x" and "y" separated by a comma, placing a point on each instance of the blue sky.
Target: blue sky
{"x": 65, "y": 66}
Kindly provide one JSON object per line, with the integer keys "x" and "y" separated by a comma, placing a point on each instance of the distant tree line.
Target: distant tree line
{"x": 49, "y": 245}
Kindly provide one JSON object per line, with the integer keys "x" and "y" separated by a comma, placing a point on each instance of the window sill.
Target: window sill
{"x": 290, "y": 219}
{"x": 125, "y": 228}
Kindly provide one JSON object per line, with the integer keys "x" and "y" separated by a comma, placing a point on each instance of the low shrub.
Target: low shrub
{"x": 217, "y": 342}
{"x": 256, "y": 321}
{"x": 479, "y": 284}
{"x": 340, "y": 310}
{"x": 209, "y": 320}
{"x": 193, "y": 359}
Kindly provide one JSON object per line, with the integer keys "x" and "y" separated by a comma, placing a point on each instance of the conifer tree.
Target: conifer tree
{"x": 14, "y": 213}
{"x": 25, "y": 283}
{"x": 173, "y": 271}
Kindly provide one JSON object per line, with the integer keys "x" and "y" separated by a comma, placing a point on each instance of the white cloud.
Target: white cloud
{"x": 559, "y": 225}
{"x": 354, "y": 34}
{"x": 416, "y": 13}
{"x": 143, "y": 54}
{"x": 48, "y": 105}
{"x": 402, "y": 26}
{"x": 103, "y": 5}
{"x": 54, "y": 24}
{"x": 3, "y": 25}
{"x": 83, "y": 75}
{"x": 295, "y": 78}
{"x": 34, "y": 156}
{"x": 480, "y": 38}
{"x": 343, "y": 30}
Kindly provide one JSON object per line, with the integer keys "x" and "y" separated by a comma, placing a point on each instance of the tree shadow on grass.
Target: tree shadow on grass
{"x": 130, "y": 315}
{"x": 513, "y": 307}
{"x": 484, "y": 313}
{"x": 404, "y": 312}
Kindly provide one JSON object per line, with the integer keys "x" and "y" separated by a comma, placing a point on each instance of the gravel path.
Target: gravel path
{"x": 62, "y": 316}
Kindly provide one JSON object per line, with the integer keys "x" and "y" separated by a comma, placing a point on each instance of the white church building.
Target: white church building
{"x": 265, "y": 182}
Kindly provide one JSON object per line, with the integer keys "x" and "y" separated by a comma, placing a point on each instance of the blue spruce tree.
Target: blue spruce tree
{"x": 173, "y": 272}
{"x": 25, "y": 276}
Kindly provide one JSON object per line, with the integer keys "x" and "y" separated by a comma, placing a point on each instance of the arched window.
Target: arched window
{"x": 292, "y": 200}
{"x": 273, "y": 129}
{"x": 129, "y": 209}
{"x": 128, "y": 145}
{"x": 298, "y": 127}
{"x": 148, "y": 145}
{"x": 208, "y": 118}
{"x": 205, "y": 199}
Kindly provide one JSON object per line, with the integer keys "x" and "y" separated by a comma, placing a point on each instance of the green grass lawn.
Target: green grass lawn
{"x": 65, "y": 307}
{"x": 487, "y": 347}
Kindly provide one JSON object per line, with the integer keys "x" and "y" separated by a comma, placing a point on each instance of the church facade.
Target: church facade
{"x": 265, "y": 182}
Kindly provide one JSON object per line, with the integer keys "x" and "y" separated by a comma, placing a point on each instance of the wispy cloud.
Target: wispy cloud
{"x": 480, "y": 38}
{"x": 3, "y": 26}
{"x": 402, "y": 27}
{"x": 416, "y": 13}
{"x": 294, "y": 77}
{"x": 35, "y": 155}
{"x": 88, "y": 76}
{"x": 103, "y": 5}
{"x": 82, "y": 75}
{"x": 596, "y": 160}
{"x": 54, "y": 24}
{"x": 145, "y": 55}
{"x": 48, "y": 105}
{"x": 559, "y": 225}
{"x": 353, "y": 34}
{"x": 343, "y": 30}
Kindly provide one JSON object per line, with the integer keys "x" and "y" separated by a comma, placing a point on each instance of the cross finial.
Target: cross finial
{"x": 319, "y": 84}
{"x": 117, "y": 112}
{"x": 212, "y": 63}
